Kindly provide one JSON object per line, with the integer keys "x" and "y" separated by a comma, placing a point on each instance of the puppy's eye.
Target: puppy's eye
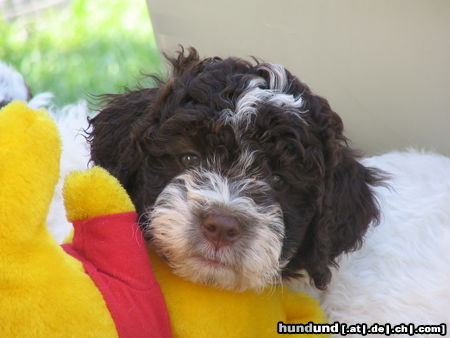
{"x": 277, "y": 182}
{"x": 189, "y": 160}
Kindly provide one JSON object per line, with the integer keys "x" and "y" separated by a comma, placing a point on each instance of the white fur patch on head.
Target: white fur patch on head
{"x": 252, "y": 262}
{"x": 12, "y": 85}
{"x": 260, "y": 92}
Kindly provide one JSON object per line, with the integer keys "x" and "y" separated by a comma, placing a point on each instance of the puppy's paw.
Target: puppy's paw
{"x": 92, "y": 193}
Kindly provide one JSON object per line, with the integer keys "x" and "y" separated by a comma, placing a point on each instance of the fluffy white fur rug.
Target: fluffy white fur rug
{"x": 402, "y": 272}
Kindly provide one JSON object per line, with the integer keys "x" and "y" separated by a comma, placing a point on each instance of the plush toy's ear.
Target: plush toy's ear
{"x": 93, "y": 193}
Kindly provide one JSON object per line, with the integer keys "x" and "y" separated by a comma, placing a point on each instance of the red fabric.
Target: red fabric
{"x": 114, "y": 255}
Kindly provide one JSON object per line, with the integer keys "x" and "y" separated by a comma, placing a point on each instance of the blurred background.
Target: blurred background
{"x": 75, "y": 48}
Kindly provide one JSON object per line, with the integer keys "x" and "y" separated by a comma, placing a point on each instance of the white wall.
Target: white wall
{"x": 384, "y": 65}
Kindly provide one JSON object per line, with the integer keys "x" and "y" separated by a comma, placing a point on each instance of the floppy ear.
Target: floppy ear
{"x": 124, "y": 133}
{"x": 113, "y": 137}
{"x": 346, "y": 204}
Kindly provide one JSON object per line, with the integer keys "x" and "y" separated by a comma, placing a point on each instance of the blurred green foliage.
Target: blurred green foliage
{"x": 91, "y": 47}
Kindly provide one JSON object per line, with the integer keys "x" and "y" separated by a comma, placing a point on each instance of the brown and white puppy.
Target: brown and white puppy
{"x": 240, "y": 174}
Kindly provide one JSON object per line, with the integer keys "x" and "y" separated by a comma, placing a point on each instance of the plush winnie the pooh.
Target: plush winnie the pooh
{"x": 103, "y": 284}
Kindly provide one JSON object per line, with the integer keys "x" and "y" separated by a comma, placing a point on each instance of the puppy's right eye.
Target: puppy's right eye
{"x": 189, "y": 160}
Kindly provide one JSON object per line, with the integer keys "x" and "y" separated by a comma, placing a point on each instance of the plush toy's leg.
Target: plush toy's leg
{"x": 29, "y": 169}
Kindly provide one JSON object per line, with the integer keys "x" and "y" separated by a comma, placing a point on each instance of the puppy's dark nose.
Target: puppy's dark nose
{"x": 220, "y": 229}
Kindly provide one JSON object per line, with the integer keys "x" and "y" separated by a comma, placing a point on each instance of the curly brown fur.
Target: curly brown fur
{"x": 271, "y": 157}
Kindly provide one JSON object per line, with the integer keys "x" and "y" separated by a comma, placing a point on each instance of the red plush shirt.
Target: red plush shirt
{"x": 114, "y": 255}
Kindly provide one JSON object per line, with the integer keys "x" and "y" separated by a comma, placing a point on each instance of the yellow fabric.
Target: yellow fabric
{"x": 92, "y": 193}
{"x": 198, "y": 311}
{"x": 43, "y": 291}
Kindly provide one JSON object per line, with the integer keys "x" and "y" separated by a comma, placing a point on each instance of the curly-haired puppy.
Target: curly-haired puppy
{"x": 241, "y": 175}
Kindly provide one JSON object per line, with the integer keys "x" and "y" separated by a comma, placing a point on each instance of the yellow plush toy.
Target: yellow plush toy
{"x": 201, "y": 311}
{"x": 102, "y": 284}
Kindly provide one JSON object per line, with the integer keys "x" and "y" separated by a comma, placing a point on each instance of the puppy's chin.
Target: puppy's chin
{"x": 212, "y": 272}
{"x": 199, "y": 269}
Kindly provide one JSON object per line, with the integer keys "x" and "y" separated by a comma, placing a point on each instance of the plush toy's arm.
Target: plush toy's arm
{"x": 93, "y": 193}
{"x": 105, "y": 226}
{"x": 109, "y": 243}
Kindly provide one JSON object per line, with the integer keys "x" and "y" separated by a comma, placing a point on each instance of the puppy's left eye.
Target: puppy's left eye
{"x": 277, "y": 182}
{"x": 189, "y": 160}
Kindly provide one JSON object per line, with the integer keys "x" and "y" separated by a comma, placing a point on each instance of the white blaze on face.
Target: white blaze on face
{"x": 174, "y": 226}
{"x": 260, "y": 92}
